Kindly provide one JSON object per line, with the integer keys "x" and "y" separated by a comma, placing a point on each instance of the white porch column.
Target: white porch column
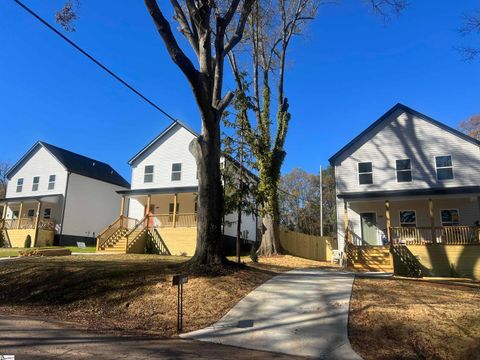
{"x": 20, "y": 215}
{"x": 387, "y": 218}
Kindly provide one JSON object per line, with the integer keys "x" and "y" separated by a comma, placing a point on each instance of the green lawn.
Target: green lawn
{"x": 6, "y": 252}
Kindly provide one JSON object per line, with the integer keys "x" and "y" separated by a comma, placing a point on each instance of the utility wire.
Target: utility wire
{"x": 110, "y": 72}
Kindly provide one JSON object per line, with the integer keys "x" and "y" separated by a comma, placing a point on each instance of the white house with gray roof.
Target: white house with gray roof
{"x": 162, "y": 201}
{"x": 53, "y": 193}
{"x": 408, "y": 179}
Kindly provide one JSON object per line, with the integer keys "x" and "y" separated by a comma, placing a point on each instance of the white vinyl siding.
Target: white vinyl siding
{"x": 405, "y": 136}
{"x": 172, "y": 148}
{"x": 91, "y": 206}
{"x": 42, "y": 164}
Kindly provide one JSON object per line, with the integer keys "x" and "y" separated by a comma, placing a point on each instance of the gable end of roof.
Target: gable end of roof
{"x": 408, "y": 110}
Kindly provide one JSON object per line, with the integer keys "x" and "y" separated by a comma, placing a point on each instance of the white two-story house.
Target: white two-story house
{"x": 408, "y": 179}
{"x": 162, "y": 201}
{"x": 57, "y": 196}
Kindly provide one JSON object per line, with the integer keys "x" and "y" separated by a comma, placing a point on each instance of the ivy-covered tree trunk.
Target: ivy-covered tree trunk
{"x": 269, "y": 170}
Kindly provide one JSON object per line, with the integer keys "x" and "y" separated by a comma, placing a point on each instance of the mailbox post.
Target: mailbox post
{"x": 179, "y": 280}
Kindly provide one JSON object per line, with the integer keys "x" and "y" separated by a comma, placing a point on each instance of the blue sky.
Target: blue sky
{"x": 347, "y": 71}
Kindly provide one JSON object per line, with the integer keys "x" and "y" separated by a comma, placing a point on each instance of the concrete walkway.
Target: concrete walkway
{"x": 301, "y": 312}
{"x": 34, "y": 339}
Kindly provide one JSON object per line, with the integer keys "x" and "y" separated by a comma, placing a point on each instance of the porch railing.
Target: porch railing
{"x": 168, "y": 220}
{"x": 450, "y": 235}
{"x": 46, "y": 224}
{"x": 27, "y": 223}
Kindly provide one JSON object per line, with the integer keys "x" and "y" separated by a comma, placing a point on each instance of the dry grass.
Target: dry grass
{"x": 414, "y": 319}
{"x": 128, "y": 292}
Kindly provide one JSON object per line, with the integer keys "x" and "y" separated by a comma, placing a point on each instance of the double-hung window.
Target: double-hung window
{"x": 408, "y": 218}
{"x": 444, "y": 167}
{"x": 36, "y": 182}
{"x": 176, "y": 172}
{"x": 450, "y": 217}
{"x": 19, "y": 185}
{"x": 404, "y": 170}
{"x": 365, "y": 173}
{"x": 51, "y": 182}
{"x": 47, "y": 213}
{"x": 148, "y": 174}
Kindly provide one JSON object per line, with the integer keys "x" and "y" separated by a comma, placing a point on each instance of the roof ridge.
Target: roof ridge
{"x": 74, "y": 153}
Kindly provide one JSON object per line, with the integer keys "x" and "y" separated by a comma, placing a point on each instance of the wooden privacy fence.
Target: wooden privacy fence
{"x": 307, "y": 246}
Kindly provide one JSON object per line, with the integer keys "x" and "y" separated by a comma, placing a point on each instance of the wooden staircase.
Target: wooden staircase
{"x": 116, "y": 242}
{"x": 369, "y": 258}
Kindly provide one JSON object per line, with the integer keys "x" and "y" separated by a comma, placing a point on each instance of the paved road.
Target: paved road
{"x": 301, "y": 312}
{"x": 30, "y": 339}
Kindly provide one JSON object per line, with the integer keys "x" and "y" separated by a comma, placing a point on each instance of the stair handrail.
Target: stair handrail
{"x": 103, "y": 237}
{"x": 142, "y": 222}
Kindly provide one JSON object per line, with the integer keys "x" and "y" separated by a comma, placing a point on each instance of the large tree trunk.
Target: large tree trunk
{"x": 270, "y": 244}
{"x": 206, "y": 149}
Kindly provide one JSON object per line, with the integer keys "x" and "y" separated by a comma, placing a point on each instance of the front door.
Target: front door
{"x": 369, "y": 228}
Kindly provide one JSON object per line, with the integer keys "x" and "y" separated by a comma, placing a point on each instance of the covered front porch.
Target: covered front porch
{"x": 165, "y": 208}
{"x": 36, "y": 217}
{"x": 416, "y": 220}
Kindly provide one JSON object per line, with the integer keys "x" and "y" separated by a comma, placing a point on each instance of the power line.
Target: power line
{"x": 110, "y": 72}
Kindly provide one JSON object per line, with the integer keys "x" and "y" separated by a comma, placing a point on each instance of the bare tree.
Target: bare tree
{"x": 471, "y": 25}
{"x": 4, "y": 167}
{"x": 471, "y": 126}
{"x": 272, "y": 26}
{"x": 204, "y": 24}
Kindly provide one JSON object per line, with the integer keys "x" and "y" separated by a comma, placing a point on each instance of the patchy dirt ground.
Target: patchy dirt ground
{"x": 128, "y": 293}
{"x": 415, "y": 319}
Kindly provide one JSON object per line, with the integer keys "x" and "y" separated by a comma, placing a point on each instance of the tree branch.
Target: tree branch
{"x": 176, "y": 53}
{"x": 237, "y": 36}
{"x": 185, "y": 28}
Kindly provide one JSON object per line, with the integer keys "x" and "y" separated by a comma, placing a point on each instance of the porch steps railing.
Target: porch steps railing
{"x": 109, "y": 237}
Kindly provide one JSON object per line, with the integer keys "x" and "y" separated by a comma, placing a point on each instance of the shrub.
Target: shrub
{"x": 28, "y": 242}
{"x": 150, "y": 247}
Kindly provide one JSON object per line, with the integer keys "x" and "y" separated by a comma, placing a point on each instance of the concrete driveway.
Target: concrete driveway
{"x": 301, "y": 312}
{"x": 33, "y": 339}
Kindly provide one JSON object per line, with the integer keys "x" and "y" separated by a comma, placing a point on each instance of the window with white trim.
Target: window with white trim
{"x": 20, "y": 185}
{"x": 408, "y": 218}
{"x": 444, "y": 167}
{"x": 148, "y": 174}
{"x": 51, "y": 182}
{"x": 450, "y": 217}
{"x": 36, "y": 182}
{"x": 404, "y": 170}
{"x": 176, "y": 172}
{"x": 365, "y": 173}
